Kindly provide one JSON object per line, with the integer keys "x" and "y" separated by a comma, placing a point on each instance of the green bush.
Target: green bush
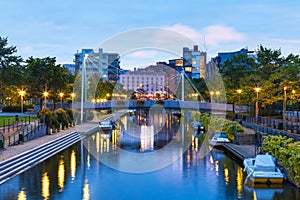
{"x": 62, "y": 117}
{"x": 47, "y": 115}
{"x": 286, "y": 151}
{"x": 218, "y": 124}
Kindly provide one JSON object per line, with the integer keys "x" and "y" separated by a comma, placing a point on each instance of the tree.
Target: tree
{"x": 44, "y": 74}
{"x": 11, "y": 70}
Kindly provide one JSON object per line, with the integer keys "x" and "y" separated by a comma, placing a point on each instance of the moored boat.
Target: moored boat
{"x": 106, "y": 125}
{"x": 262, "y": 169}
{"x": 218, "y": 139}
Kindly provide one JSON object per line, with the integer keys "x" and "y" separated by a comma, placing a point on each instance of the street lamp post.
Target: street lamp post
{"x": 211, "y": 96}
{"x": 257, "y": 89}
{"x": 293, "y": 94}
{"x": 239, "y": 91}
{"x": 284, "y": 104}
{"x": 61, "y": 94}
{"x": 22, "y": 93}
{"x": 45, "y": 94}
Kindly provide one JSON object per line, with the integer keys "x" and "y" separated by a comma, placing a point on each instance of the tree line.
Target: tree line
{"x": 268, "y": 70}
{"x": 34, "y": 75}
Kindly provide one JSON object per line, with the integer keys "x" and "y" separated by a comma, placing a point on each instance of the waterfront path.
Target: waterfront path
{"x": 14, "y": 150}
{"x": 241, "y": 151}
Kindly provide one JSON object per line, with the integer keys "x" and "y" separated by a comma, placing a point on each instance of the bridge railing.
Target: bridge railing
{"x": 168, "y": 104}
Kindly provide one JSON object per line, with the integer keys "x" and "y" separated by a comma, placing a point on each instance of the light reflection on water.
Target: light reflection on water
{"x": 45, "y": 186}
{"x": 82, "y": 176}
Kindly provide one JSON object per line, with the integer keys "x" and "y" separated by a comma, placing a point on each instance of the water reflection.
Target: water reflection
{"x": 73, "y": 165}
{"x": 226, "y": 176}
{"x": 239, "y": 181}
{"x": 77, "y": 174}
{"x": 22, "y": 195}
{"x": 147, "y": 138}
{"x": 61, "y": 174}
{"x": 86, "y": 190}
{"x": 45, "y": 186}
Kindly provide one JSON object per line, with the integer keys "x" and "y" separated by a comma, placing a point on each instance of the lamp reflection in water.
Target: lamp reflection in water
{"x": 61, "y": 174}
{"x": 217, "y": 167}
{"x": 226, "y": 175}
{"x": 239, "y": 181}
{"x": 73, "y": 165}
{"x": 22, "y": 195}
{"x": 86, "y": 190}
{"x": 45, "y": 186}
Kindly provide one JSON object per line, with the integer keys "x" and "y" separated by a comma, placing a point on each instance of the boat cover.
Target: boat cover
{"x": 264, "y": 163}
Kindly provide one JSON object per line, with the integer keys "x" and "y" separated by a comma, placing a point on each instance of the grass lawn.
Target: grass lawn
{"x": 5, "y": 120}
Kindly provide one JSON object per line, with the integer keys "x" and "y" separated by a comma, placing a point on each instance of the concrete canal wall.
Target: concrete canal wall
{"x": 23, "y": 161}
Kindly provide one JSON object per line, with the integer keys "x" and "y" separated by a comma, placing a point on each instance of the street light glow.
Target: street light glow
{"x": 61, "y": 94}
{"x": 257, "y": 89}
{"x": 45, "y": 94}
{"x": 239, "y": 91}
{"x": 22, "y": 93}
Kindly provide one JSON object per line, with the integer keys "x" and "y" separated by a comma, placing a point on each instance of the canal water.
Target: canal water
{"x": 149, "y": 156}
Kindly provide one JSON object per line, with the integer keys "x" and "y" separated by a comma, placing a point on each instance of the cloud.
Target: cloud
{"x": 281, "y": 40}
{"x": 213, "y": 35}
{"x": 26, "y": 50}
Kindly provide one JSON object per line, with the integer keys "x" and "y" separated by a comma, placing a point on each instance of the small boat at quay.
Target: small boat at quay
{"x": 106, "y": 125}
{"x": 262, "y": 169}
{"x": 218, "y": 139}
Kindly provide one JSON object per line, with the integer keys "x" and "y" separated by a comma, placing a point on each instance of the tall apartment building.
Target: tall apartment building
{"x": 106, "y": 65}
{"x": 194, "y": 62}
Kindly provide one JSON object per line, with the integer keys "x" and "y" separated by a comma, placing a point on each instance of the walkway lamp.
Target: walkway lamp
{"x": 239, "y": 91}
{"x": 211, "y": 95}
{"x": 22, "y": 94}
{"x": 61, "y": 94}
{"x": 284, "y": 103}
{"x": 293, "y": 95}
{"x": 73, "y": 95}
{"x": 45, "y": 94}
{"x": 257, "y": 89}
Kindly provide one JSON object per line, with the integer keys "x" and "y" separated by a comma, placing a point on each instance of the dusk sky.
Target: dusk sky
{"x": 59, "y": 28}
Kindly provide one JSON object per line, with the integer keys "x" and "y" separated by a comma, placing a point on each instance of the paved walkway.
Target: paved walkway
{"x": 12, "y": 151}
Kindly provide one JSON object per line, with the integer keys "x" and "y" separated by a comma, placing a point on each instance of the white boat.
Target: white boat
{"x": 262, "y": 169}
{"x": 106, "y": 125}
{"x": 218, "y": 139}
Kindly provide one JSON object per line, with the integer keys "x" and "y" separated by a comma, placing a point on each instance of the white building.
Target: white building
{"x": 151, "y": 82}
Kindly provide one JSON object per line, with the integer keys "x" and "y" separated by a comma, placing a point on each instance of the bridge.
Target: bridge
{"x": 146, "y": 104}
